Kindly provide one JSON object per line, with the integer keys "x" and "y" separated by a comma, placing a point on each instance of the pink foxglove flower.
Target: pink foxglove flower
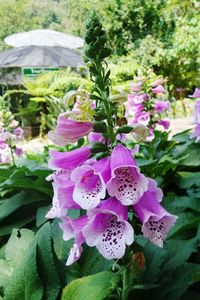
{"x": 133, "y": 111}
{"x": 68, "y": 131}
{"x": 13, "y": 124}
{"x": 19, "y": 132}
{"x": 157, "y": 82}
{"x": 3, "y": 145}
{"x": 5, "y": 136}
{"x": 158, "y": 89}
{"x": 196, "y": 133}
{"x": 72, "y": 228}
{"x": 143, "y": 118}
{"x": 62, "y": 199}
{"x": 127, "y": 184}
{"x": 4, "y": 158}
{"x": 196, "y": 115}
{"x": 164, "y": 122}
{"x": 196, "y": 93}
{"x": 19, "y": 151}
{"x": 161, "y": 106}
{"x": 151, "y": 135}
{"x": 136, "y": 98}
{"x": 108, "y": 229}
{"x": 156, "y": 221}
{"x": 68, "y": 160}
{"x": 90, "y": 187}
{"x": 60, "y": 178}
{"x": 94, "y": 137}
{"x": 136, "y": 86}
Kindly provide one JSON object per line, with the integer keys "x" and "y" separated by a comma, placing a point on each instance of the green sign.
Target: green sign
{"x": 33, "y": 72}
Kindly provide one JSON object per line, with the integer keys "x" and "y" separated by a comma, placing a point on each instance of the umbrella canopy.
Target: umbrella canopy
{"x": 44, "y": 37}
{"x": 33, "y": 56}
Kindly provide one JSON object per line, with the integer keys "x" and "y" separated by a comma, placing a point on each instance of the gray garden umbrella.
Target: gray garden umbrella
{"x": 44, "y": 37}
{"x": 34, "y": 56}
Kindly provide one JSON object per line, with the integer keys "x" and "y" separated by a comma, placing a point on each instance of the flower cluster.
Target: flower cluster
{"x": 196, "y": 116}
{"x": 101, "y": 180}
{"x": 146, "y": 104}
{"x": 103, "y": 191}
{"x": 10, "y": 135}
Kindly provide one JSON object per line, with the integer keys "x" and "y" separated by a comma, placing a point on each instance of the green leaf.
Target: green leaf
{"x": 40, "y": 215}
{"x": 186, "y": 220}
{"x": 18, "y": 272}
{"x": 27, "y": 183}
{"x": 186, "y": 203}
{"x": 187, "y": 180}
{"x": 98, "y": 147}
{"x": 125, "y": 129}
{"x": 183, "y": 277}
{"x": 91, "y": 262}
{"x": 153, "y": 260}
{"x": 182, "y": 136}
{"x": 25, "y": 283}
{"x": 13, "y": 203}
{"x": 193, "y": 157}
{"x": 100, "y": 127}
{"x": 61, "y": 247}
{"x": 177, "y": 252}
{"x": 6, "y": 229}
{"x": 98, "y": 287}
{"x": 46, "y": 264}
{"x": 18, "y": 242}
{"x": 5, "y": 272}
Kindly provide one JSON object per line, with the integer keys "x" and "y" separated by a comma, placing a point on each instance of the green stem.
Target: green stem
{"x": 12, "y": 155}
{"x": 125, "y": 288}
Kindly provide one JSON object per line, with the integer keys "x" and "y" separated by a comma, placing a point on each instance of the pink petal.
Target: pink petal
{"x": 126, "y": 183}
{"x": 89, "y": 187}
{"x": 68, "y": 131}
{"x": 68, "y": 160}
{"x": 155, "y": 219}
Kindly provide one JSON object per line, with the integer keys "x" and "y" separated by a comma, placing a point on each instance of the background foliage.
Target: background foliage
{"x": 163, "y": 34}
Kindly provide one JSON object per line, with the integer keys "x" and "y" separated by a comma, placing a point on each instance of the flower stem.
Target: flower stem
{"x": 125, "y": 287}
{"x": 12, "y": 156}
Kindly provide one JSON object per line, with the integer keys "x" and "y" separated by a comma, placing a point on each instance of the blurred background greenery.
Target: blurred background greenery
{"x": 163, "y": 34}
{"x": 158, "y": 35}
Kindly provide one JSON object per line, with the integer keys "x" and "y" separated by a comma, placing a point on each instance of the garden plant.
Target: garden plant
{"x": 111, "y": 210}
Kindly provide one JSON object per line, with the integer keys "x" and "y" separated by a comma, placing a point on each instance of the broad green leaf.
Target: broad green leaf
{"x": 46, "y": 264}
{"x": 145, "y": 162}
{"x": 18, "y": 243}
{"x": 13, "y": 203}
{"x": 177, "y": 282}
{"x": 92, "y": 262}
{"x": 186, "y": 220}
{"x": 5, "y": 272}
{"x": 25, "y": 283}
{"x": 61, "y": 247}
{"x": 27, "y": 183}
{"x": 194, "y": 193}
{"x": 182, "y": 136}
{"x": 40, "y": 215}
{"x": 183, "y": 203}
{"x": 6, "y": 229}
{"x": 14, "y": 263}
{"x": 193, "y": 157}
{"x": 154, "y": 257}
{"x": 98, "y": 287}
{"x": 187, "y": 180}
{"x": 177, "y": 252}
